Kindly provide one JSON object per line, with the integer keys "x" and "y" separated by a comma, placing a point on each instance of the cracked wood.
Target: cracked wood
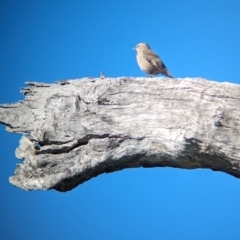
{"x": 77, "y": 129}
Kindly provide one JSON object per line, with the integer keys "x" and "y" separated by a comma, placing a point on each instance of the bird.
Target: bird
{"x": 149, "y": 61}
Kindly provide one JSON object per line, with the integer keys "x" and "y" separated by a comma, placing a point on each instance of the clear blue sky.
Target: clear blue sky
{"x": 47, "y": 41}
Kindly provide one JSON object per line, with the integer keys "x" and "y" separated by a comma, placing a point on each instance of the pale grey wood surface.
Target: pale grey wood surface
{"x": 77, "y": 129}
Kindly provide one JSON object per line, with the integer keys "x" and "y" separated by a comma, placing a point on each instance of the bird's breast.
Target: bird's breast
{"x": 143, "y": 63}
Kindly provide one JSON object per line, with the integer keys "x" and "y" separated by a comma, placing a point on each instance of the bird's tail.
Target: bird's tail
{"x": 167, "y": 73}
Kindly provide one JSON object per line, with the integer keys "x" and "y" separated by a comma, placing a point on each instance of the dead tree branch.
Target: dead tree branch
{"x": 78, "y": 129}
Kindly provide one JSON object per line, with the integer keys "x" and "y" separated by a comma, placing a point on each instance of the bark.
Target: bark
{"x": 77, "y": 129}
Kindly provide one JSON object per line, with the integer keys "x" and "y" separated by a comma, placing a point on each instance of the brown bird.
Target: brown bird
{"x": 149, "y": 61}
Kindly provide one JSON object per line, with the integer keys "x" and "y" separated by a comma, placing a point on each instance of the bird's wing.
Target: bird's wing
{"x": 155, "y": 61}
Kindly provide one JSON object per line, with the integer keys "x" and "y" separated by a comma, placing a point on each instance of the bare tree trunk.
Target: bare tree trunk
{"x": 78, "y": 129}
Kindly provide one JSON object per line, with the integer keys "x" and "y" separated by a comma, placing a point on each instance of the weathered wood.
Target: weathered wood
{"x": 77, "y": 129}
